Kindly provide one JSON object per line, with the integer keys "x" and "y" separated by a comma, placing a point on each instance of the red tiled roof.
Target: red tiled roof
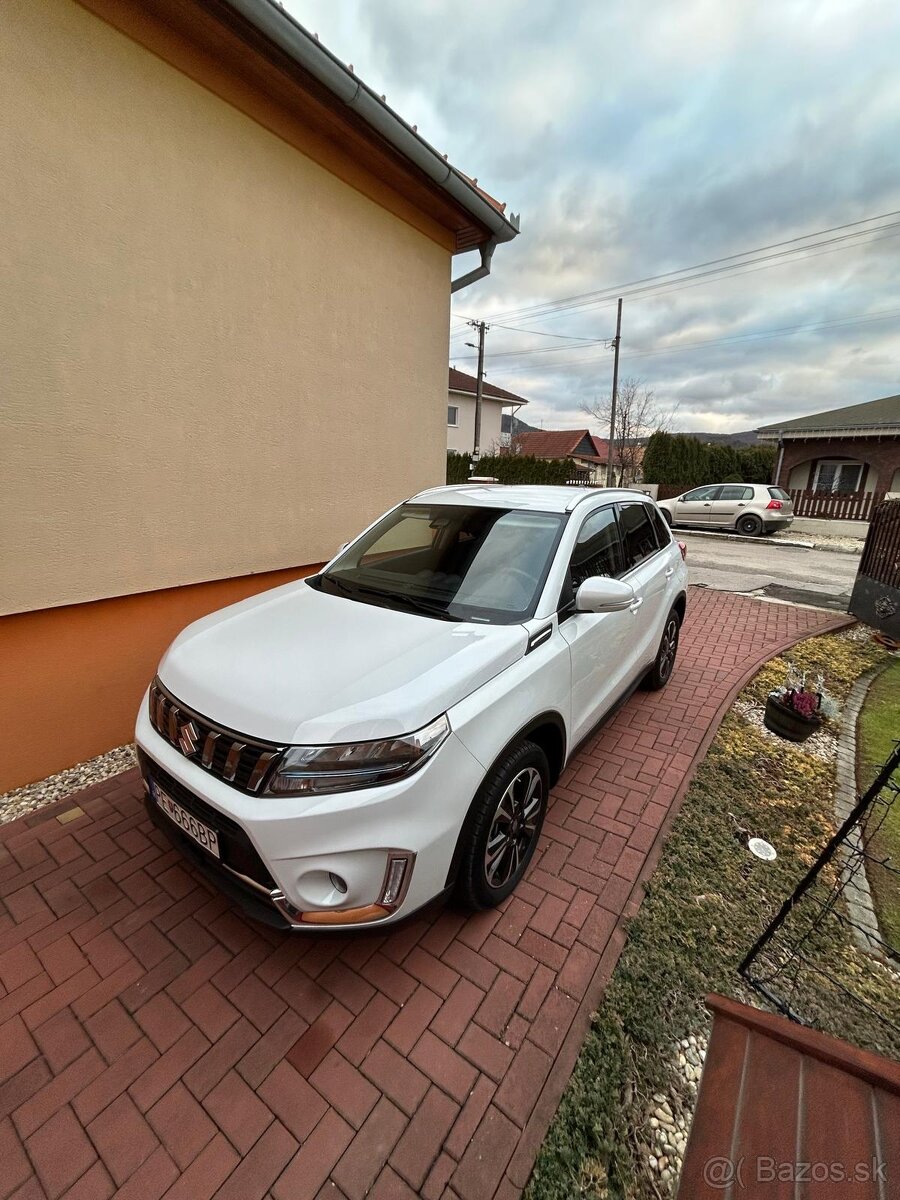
{"x": 461, "y": 382}
{"x": 561, "y": 443}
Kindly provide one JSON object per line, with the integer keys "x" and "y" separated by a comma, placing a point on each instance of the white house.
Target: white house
{"x": 461, "y": 413}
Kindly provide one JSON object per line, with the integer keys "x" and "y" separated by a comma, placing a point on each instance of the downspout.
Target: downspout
{"x": 487, "y": 251}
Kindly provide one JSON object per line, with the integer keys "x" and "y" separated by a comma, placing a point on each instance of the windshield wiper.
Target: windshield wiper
{"x": 404, "y": 601}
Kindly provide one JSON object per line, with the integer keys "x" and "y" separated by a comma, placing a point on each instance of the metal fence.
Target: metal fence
{"x": 876, "y": 592}
{"x": 830, "y": 506}
{"x": 805, "y": 965}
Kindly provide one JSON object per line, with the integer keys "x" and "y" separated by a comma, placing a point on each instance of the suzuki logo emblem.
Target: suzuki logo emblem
{"x": 187, "y": 738}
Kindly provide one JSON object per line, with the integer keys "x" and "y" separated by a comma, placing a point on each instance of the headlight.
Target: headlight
{"x": 342, "y": 768}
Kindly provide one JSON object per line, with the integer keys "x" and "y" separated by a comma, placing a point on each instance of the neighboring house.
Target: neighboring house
{"x": 495, "y": 402}
{"x": 847, "y": 450}
{"x": 588, "y": 454}
{"x": 223, "y": 329}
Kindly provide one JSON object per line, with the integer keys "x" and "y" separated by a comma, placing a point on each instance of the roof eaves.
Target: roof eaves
{"x": 270, "y": 19}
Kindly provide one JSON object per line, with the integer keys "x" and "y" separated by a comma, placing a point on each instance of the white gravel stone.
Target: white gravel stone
{"x": 21, "y": 801}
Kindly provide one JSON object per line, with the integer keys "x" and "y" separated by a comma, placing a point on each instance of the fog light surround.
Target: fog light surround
{"x": 395, "y": 885}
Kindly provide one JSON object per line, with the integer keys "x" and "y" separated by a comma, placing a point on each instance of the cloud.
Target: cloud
{"x": 640, "y": 138}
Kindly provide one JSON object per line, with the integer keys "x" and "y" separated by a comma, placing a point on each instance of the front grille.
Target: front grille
{"x": 235, "y": 847}
{"x": 240, "y": 761}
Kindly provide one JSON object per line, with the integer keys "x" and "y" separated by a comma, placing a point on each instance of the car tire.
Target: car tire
{"x": 664, "y": 663}
{"x": 503, "y": 826}
{"x": 749, "y": 525}
{"x": 667, "y": 516}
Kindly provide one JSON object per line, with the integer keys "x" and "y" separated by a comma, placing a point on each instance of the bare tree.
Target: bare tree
{"x": 638, "y": 417}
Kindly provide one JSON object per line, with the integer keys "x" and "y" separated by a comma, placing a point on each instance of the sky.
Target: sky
{"x": 641, "y": 138}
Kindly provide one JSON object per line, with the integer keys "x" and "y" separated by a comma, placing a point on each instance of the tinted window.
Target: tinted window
{"x": 598, "y": 550}
{"x": 638, "y": 536}
{"x": 778, "y": 493}
{"x": 704, "y": 493}
{"x": 663, "y": 533}
{"x": 736, "y": 491}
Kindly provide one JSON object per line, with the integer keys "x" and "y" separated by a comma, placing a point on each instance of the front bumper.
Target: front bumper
{"x": 278, "y": 853}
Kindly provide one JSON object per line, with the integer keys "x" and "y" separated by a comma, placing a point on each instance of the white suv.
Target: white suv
{"x": 343, "y": 749}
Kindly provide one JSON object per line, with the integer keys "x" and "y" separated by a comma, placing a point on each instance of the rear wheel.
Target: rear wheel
{"x": 667, "y": 516}
{"x": 661, "y": 671}
{"x": 749, "y": 525}
{"x": 503, "y": 827}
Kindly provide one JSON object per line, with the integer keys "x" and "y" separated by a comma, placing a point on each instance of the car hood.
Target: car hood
{"x": 296, "y": 665}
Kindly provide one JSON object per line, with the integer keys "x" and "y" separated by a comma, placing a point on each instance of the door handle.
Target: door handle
{"x": 638, "y": 601}
{"x": 670, "y": 571}
{"x": 707, "y": 503}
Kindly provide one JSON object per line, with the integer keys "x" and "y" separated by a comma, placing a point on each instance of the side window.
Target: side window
{"x": 598, "y": 551}
{"x": 663, "y": 533}
{"x": 638, "y": 536}
{"x": 453, "y": 415}
{"x": 703, "y": 493}
{"x": 736, "y": 491}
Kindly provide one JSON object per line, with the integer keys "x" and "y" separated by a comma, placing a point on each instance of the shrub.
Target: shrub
{"x": 510, "y": 468}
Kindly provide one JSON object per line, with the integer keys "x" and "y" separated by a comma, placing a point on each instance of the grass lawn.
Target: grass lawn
{"x": 705, "y": 904}
{"x": 879, "y": 728}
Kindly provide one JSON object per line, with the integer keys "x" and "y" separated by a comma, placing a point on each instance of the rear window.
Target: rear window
{"x": 778, "y": 493}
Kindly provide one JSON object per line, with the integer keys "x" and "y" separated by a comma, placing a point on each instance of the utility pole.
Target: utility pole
{"x": 482, "y": 328}
{"x": 610, "y": 467}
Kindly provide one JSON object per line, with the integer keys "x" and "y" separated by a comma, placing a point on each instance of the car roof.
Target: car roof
{"x": 528, "y": 497}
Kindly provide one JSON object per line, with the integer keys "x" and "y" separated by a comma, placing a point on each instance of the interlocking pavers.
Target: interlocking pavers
{"x": 154, "y": 1041}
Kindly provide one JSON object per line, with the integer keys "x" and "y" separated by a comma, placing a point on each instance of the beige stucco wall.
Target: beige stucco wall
{"x": 217, "y": 358}
{"x": 462, "y": 437}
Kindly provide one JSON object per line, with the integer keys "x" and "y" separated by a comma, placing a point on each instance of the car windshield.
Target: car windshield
{"x": 459, "y": 563}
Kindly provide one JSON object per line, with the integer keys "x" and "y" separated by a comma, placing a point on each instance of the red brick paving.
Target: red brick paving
{"x": 155, "y": 1042}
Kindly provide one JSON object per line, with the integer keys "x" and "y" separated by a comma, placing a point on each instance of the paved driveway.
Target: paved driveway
{"x": 152, "y": 1042}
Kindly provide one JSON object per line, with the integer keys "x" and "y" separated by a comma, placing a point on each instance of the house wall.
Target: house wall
{"x": 462, "y": 438}
{"x": 200, "y": 327}
{"x": 881, "y": 455}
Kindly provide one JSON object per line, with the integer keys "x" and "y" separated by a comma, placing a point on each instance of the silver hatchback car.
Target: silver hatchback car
{"x": 748, "y": 508}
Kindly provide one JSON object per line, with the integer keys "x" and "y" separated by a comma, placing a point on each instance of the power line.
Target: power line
{"x": 750, "y": 271}
{"x": 574, "y": 301}
{"x": 762, "y": 335}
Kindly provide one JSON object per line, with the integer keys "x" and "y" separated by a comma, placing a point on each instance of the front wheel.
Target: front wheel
{"x": 750, "y": 526}
{"x": 661, "y": 671}
{"x": 503, "y": 827}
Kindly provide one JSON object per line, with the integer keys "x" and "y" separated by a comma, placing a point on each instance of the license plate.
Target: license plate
{"x": 188, "y": 823}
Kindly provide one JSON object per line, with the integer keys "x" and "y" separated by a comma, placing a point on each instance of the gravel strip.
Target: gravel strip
{"x": 23, "y": 800}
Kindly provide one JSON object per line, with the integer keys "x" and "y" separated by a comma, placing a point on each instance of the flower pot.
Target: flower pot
{"x": 788, "y": 723}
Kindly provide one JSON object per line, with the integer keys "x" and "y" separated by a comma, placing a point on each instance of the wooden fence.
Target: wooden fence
{"x": 831, "y": 507}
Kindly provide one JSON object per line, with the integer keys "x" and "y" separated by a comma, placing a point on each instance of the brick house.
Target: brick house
{"x": 587, "y": 453}
{"x": 847, "y": 451}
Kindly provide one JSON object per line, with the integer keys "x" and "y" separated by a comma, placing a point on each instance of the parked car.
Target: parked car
{"x": 345, "y": 748}
{"x": 748, "y": 508}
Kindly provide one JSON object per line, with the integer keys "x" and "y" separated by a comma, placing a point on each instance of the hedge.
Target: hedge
{"x": 685, "y": 461}
{"x": 509, "y": 468}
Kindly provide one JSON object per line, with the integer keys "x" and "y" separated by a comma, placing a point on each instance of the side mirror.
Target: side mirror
{"x": 600, "y": 594}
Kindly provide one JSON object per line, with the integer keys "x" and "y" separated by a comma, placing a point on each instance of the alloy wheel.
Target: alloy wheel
{"x": 668, "y": 648}
{"x": 514, "y": 827}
